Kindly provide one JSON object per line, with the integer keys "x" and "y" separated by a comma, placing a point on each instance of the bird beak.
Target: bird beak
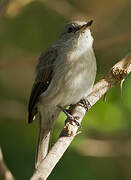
{"x": 85, "y": 26}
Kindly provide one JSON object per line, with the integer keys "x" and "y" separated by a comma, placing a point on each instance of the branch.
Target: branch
{"x": 117, "y": 73}
{"x": 5, "y": 173}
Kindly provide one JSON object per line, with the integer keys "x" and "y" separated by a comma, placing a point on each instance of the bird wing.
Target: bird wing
{"x": 44, "y": 71}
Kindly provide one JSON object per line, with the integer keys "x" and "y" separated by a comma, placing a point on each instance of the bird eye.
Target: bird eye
{"x": 70, "y": 29}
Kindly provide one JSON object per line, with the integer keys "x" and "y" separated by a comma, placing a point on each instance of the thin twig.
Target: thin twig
{"x": 5, "y": 173}
{"x": 117, "y": 73}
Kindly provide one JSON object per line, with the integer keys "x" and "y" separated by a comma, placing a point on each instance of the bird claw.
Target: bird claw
{"x": 85, "y": 103}
{"x": 70, "y": 118}
{"x": 73, "y": 120}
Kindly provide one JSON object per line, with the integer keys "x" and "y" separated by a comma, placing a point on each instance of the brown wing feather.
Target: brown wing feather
{"x": 37, "y": 90}
{"x": 43, "y": 79}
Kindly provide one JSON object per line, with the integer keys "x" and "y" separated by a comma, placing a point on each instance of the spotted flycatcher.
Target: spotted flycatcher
{"x": 65, "y": 74}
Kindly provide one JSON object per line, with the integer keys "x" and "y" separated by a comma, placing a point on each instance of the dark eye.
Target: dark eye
{"x": 70, "y": 29}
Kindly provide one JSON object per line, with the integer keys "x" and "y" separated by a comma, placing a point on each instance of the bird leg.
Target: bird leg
{"x": 70, "y": 118}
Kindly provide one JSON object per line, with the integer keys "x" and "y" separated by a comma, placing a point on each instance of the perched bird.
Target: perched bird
{"x": 65, "y": 74}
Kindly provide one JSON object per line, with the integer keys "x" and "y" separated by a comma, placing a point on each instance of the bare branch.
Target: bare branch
{"x": 117, "y": 73}
{"x": 5, "y": 174}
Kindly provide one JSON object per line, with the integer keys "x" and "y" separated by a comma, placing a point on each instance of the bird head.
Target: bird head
{"x": 77, "y": 32}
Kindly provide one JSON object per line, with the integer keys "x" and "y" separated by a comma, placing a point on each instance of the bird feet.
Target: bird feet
{"x": 85, "y": 103}
{"x": 70, "y": 118}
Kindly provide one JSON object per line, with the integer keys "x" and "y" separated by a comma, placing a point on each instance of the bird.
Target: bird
{"x": 65, "y": 74}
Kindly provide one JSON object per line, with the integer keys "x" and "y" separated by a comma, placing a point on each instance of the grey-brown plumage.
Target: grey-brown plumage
{"x": 65, "y": 74}
{"x": 44, "y": 71}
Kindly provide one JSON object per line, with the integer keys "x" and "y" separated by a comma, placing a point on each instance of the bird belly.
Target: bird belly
{"x": 79, "y": 80}
{"x": 72, "y": 82}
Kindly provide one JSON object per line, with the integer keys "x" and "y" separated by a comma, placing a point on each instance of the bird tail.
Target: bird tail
{"x": 45, "y": 128}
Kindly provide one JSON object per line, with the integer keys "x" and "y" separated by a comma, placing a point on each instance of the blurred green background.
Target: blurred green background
{"x": 27, "y": 27}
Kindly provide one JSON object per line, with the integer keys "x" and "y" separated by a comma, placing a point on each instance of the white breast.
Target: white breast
{"x": 80, "y": 76}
